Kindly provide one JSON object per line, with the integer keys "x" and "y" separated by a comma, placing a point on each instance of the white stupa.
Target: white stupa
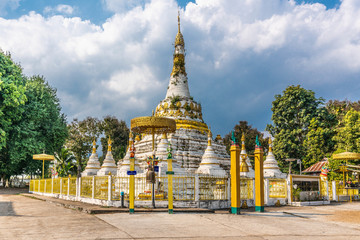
{"x": 210, "y": 164}
{"x": 162, "y": 154}
{"x": 250, "y": 171}
{"x": 109, "y": 165}
{"x": 93, "y": 164}
{"x": 190, "y": 139}
{"x": 271, "y": 167}
{"x": 124, "y": 165}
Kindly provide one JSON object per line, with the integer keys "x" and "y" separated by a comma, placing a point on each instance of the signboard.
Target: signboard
{"x": 131, "y": 172}
{"x": 169, "y": 172}
{"x": 156, "y": 168}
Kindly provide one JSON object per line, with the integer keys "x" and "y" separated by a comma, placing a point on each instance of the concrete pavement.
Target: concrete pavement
{"x": 26, "y": 218}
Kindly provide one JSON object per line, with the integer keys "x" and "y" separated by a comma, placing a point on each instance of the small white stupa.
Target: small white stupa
{"x": 271, "y": 167}
{"x": 210, "y": 164}
{"x": 250, "y": 171}
{"x": 93, "y": 164}
{"x": 109, "y": 165}
{"x": 162, "y": 155}
{"x": 124, "y": 165}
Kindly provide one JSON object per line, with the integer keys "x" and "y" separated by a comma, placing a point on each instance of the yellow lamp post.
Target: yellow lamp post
{"x": 259, "y": 177}
{"x": 235, "y": 176}
{"x": 44, "y": 157}
{"x": 170, "y": 180}
{"x": 153, "y": 125}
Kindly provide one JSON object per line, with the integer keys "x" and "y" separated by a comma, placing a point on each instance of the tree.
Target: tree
{"x": 250, "y": 136}
{"x": 38, "y": 124}
{"x": 65, "y": 163}
{"x": 118, "y": 132}
{"x": 348, "y": 135}
{"x": 81, "y": 136}
{"x": 319, "y": 139}
{"x": 292, "y": 114}
{"x": 12, "y": 95}
{"x": 41, "y": 128}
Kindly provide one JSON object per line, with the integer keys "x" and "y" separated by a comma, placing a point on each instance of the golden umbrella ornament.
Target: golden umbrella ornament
{"x": 44, "y": 157}
{"x": 345, "y": 156}
{"x": 153, "y": 125}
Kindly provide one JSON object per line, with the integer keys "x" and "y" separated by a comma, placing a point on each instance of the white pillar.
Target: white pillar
{"x": 109, "y": 190}
{"x": 267, "y": 192}
{"x": 197, "y": 190}
{"x": 335, "y": 196}
{"x": 78, "y": 188}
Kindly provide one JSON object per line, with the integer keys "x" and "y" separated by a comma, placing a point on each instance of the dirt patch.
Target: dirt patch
{"x": 346, "y": 216}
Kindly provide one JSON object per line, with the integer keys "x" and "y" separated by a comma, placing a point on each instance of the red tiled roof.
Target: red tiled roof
{"x": 316, "y": 167}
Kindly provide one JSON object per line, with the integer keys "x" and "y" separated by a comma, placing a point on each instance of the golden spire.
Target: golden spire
{"x": 270, "y": 144}
{"x": 243, "y": 142}
{"x": 209, "y": 137}
{"x": 178, "y": 20}
{"x": 179, "y": 39}
{"x": 109, "y": 144}
{"x": 94, "y": 146}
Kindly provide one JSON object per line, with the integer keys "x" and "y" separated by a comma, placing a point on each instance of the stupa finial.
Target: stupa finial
{"x": 109, "y": 144}
{"x": 94, "y": 146}
{"x": 243, "y": 142}
{"x": 209, "y": 137}
{"x": 178, "y": 20}
{"x": 270, "y": 144}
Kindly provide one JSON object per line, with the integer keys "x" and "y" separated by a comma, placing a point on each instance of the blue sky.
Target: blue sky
{"x": 115, "y": 57}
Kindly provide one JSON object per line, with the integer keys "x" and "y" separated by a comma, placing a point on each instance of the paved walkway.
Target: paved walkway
{"x": 27, "y": 218}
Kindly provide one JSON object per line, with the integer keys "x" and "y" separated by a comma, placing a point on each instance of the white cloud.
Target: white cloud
{"x": 59, "y": 9}
{"x": 121, "y": 6}
{"x": 4, "y": 4}
{"x": 240, "y": 52}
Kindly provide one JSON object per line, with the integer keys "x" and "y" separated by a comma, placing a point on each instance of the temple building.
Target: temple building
{"x": 190, "y": 139}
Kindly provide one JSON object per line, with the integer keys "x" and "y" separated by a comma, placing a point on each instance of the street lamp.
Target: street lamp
{"x": 290, "y": 160}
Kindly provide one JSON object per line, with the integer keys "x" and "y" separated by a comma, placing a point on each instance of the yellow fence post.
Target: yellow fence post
{"x": 235, "y": 176}
{"x": 259, "y": 178}
{"x": 170, "y": 174}
{"x": 132, "y": 173}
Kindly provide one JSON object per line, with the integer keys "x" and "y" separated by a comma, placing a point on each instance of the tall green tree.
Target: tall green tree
{"x": 319, "y": 141}
{"x": 348, "y": 134}
{"x": 118, "y": 131}
{"x": 12, "y": 97}
{"x": 41, "y": 128}
{"x": 250, "y": 136}
{"x": 81, "y": 135}
{"x": 292, "y": 114}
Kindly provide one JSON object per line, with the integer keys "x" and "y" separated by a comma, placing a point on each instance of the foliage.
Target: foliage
{"x": 37, "y": 124}
{"x": 65, "y": 163}
{"x": 250, "y": 137}
{"x": 318, "y": 142}
{"x": 12, "y": 89}
{"x": 119, "y": 134}
{"x": 292, "y": 114}
{"x": 81, "y": 135}
{"x": 348, "y": 134}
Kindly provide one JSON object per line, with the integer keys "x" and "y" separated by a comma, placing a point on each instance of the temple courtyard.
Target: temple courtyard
{"x": 31, "y": 217}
